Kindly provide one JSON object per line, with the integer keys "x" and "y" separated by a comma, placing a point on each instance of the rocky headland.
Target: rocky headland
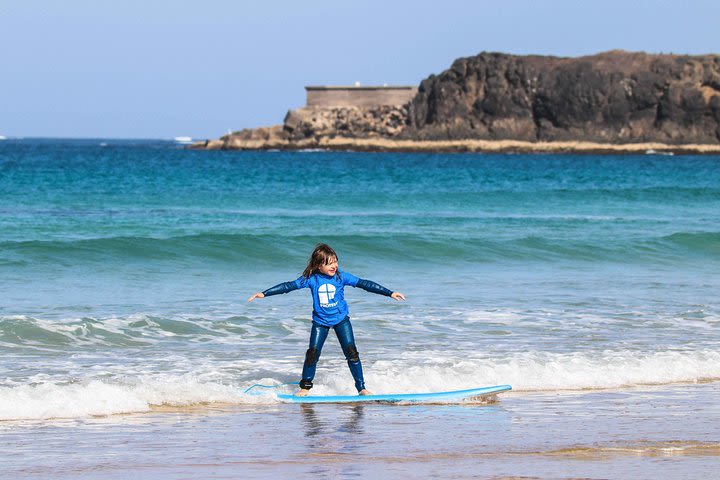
{"x": 610, "y": 102}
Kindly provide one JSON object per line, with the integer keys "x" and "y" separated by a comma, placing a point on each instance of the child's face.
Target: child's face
{"x": 329, "y": 268}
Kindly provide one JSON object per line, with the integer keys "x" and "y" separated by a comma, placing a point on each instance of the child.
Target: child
{"x": 326, "y": 283}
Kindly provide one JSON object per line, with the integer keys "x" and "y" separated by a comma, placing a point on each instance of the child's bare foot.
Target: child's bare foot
{"x": 365, "y": 391}
{"x": 302, "y": 393}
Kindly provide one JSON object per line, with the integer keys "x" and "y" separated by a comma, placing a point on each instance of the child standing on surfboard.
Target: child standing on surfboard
{"x": 330, "y": 310}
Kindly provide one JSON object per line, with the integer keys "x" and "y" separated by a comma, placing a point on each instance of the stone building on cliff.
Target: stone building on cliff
{"x": 359, "y": 96}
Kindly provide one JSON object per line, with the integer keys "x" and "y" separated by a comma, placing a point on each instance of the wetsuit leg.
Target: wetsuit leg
{"x": 344, "y": 332}
{"x": 318, "y": 334}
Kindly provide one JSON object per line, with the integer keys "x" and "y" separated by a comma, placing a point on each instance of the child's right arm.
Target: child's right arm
{"x": 285, "y": 287}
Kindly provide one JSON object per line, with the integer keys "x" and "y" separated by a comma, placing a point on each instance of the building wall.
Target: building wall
{"x": 359, "y": 96}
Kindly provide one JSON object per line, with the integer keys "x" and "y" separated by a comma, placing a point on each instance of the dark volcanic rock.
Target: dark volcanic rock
{"x": 616, "y": 97}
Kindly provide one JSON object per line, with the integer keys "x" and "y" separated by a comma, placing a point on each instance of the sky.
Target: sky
{"x": 166, "y": 68}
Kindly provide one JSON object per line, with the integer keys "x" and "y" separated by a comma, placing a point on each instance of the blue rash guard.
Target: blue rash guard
{"x": 328, "y": 294}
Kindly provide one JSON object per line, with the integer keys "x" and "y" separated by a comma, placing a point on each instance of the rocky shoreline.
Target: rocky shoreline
{"x": 613, "y": 102}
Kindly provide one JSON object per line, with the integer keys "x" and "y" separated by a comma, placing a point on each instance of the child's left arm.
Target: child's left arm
{"x": 372, "y": 287}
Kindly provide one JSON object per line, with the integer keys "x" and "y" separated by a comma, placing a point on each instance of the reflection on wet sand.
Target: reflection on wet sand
{"x": 315, "y": 425}
{"x": 329, "y": 440}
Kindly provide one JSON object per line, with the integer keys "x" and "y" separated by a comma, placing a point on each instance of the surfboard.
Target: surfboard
{"x": 437, "y": 397}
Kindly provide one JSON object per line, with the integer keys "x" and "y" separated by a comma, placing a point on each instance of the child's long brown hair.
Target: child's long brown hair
{"x": 322, "y": 255}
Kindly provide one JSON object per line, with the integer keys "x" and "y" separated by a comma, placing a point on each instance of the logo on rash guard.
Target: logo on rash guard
{"x": 326, "y": 293}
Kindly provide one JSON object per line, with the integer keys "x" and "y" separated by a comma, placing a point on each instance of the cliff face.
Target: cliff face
{"x": 613, "y": 97}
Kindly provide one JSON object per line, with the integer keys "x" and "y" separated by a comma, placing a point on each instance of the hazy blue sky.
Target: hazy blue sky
{"x": 161, "y": 68}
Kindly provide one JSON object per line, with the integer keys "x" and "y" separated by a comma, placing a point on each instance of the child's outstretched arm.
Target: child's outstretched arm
{"x": 256, "y": 295}
{"x": 372, "y": 287}
{"x": 284, "y": 287}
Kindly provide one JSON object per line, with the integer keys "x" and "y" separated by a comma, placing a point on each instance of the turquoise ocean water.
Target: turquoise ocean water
{"x": 125, "y": 266}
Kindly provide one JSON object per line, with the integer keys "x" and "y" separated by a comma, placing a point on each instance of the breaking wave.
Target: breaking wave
{"x": 412, "y": 372}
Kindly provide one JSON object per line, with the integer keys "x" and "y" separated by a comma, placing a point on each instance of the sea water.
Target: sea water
{"x": 588, "y": 283}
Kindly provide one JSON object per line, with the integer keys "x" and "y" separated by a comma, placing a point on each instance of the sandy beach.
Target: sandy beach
{"x": 488, "y": 146}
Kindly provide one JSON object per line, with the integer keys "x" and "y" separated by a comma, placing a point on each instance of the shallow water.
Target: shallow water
{"x": 126, "y": 267}
{"x": 638, "y": 433}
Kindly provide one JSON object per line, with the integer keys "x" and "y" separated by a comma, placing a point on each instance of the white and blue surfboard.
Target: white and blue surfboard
{"x": 437, "y": 397}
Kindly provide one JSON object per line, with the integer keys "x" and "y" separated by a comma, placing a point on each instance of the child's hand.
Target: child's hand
{"x": 257, "y": 295}
{"x": 397, "y": 296}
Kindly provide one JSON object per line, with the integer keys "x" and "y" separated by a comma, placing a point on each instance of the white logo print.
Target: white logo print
{"x": 326, "y": 292}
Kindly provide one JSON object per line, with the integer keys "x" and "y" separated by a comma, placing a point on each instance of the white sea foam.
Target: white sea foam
{"x": 421, "y": 371}
{"x": 96, "y": 398}
{"x": 544, "y": 371}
